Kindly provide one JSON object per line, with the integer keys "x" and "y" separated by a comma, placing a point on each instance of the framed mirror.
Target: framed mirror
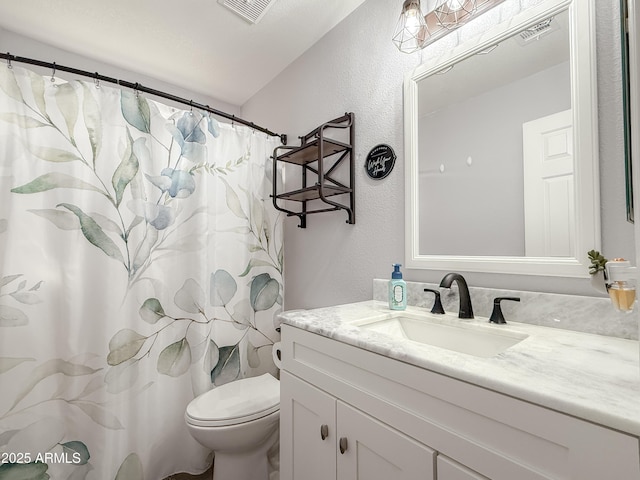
{"x": 501, "y": 148}
{"x": 626, "y": 107}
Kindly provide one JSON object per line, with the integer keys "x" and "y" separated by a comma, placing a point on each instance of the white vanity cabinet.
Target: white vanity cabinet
{"x": 450, "y": 470}
{"x": 404, "y": 422}
{"x": 328, "y": 439}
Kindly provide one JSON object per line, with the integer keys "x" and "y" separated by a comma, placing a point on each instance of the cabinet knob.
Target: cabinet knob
{"x": 343, "y": 445}
{"x": 324, "y": 431}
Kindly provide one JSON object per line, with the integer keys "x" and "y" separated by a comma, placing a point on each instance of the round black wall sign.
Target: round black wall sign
{"x": 380, "y": 161}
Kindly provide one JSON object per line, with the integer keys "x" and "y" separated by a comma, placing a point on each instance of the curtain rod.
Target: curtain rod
{"x": 140, "y": 88}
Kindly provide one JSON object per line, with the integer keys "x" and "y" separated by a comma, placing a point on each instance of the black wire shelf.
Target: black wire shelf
{"x": 319, "y": 156}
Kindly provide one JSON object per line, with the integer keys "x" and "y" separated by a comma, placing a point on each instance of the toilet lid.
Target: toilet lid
{"x": 236, "y": 402}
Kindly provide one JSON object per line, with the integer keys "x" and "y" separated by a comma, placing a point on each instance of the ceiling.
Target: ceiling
{"x": 199, "y": 45}
{"x": 510, "y": 61}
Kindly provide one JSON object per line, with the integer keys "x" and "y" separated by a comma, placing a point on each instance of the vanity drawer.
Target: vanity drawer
{"x": 495, "y": 435}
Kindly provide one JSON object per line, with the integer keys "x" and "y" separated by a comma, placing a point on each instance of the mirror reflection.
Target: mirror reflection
{"x": 495, "y": 150}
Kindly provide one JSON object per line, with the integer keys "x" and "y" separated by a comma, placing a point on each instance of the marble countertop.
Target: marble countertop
{"x": 593, "y": 377}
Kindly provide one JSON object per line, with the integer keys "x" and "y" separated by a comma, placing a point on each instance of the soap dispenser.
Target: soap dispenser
{"x": 397, "y": 289}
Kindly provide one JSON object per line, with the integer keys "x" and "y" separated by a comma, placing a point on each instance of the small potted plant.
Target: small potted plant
{"x": 597, "y": 271}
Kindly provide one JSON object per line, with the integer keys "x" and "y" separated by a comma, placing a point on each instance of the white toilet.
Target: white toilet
{"x": 239, "y": 422}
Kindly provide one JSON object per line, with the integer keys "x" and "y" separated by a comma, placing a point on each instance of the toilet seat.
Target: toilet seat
{"x": 235, "y": 402}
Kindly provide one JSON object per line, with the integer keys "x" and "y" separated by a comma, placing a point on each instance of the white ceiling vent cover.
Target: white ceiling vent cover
{"x": 536, "y": 31}
{"x": 250, "y": 10}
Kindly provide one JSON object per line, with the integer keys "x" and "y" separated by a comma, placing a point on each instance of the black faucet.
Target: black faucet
{"x": 466, "y": 310}
{"x": 496, "y": 315}
{"x": 437, "y": 303}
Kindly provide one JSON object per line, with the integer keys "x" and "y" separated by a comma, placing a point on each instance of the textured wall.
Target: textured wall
{"x": 22, "y": 46}
{"x": 355, "y": 67}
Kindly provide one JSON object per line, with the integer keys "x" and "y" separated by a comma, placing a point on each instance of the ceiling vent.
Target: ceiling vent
{"x": 538, "y": 30}
{"x": 250, "y": 10}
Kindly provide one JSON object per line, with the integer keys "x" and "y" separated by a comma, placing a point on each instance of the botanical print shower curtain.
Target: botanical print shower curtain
{"x": 140, "y": 265}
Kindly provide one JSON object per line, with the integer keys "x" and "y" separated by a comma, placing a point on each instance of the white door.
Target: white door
{"x": 307, "y": 431}
{"x": 549, "y": 206}
{"x": 370, "y": 450}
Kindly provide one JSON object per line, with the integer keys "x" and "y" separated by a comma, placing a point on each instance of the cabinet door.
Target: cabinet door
{"x": 307, "y": 431}
{"x": 374, "y": 451}
{"x": 449, "y": 470}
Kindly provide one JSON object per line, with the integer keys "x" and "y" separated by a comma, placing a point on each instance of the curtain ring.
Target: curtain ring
{"x": 53, "y": 76}
{"x": 9, "y": 66}
{"x": 136, "y": 91}
{"x": 96, "y": 80}
{"x": 191, "y": 107}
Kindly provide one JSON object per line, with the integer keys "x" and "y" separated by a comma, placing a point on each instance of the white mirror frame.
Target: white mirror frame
{"x": 585, "y": 118}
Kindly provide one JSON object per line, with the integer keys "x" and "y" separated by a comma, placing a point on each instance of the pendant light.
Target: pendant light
{"x": 415, "y": 31}
{"x": 452, "y": 14}
{"x": 411, "y": 30}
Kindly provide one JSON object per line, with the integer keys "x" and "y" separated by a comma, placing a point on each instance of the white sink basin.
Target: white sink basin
{"x": 444, "y": 332}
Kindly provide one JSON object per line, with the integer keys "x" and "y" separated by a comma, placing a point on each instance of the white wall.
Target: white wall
{"x": 355, "y": 67}
{"x": 22, "y": 46}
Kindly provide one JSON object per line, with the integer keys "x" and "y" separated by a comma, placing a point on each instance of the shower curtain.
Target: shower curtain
{"x": 140, "y": 266}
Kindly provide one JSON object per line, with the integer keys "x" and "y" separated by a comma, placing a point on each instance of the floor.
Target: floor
{"x": 274, "y": 468}
{"x": 208, "y": 475}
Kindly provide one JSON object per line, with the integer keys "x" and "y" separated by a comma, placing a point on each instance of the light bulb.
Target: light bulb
{"x": 412, "y": 21}
{"x": 411, "y": 30}
{"x": 455, "y": 5}
{"x": 454, "y": 13}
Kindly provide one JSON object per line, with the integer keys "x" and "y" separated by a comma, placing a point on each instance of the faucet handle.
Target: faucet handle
{"x": 496, "y": 314}
{"x": 437, "y": 304}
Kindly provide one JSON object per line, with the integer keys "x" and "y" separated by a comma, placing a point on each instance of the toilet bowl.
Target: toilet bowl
{"x": 239, "y": 422}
